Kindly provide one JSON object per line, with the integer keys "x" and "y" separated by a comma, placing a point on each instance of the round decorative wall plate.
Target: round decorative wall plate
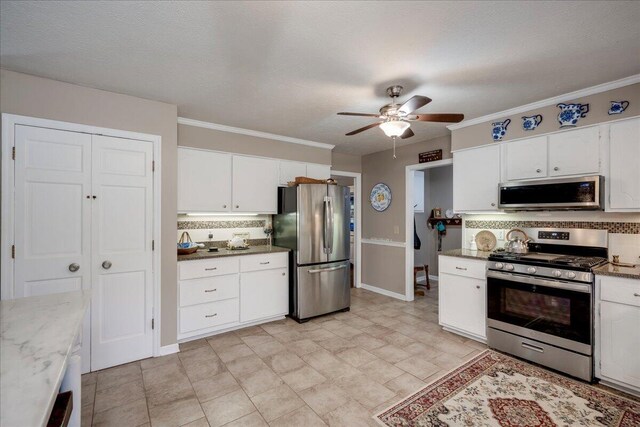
{"x": 380, "y": 197}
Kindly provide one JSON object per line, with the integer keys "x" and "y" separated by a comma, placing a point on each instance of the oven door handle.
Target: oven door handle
{"x": 577, "y": 287}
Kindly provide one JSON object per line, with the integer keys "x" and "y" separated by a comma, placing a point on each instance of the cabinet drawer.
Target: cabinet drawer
{"x": 207, "y": 268}
{"x": 209, "y": 289}
{"x": 263, "y": 261}
{"x": 203, "y": 316}
{"x": 623, "y": 291}
{"x": 463, "y": 267}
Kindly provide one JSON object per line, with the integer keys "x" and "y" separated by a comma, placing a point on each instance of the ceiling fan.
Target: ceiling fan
{"x": 396, "y": 118}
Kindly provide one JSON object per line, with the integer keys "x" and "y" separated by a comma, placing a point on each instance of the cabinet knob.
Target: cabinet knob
{"x": 74, "y": 267}
{"x": 237, "y": 206}
{"x": 224, "y": 206}
{"x": 556, "y": 168}
{"x": 636, "y": 294}
{"x": 538, "y": 170}
{"x": 493, "y": 204}
{"x": 477, "y": 286}
{"x": 284, "y": 274}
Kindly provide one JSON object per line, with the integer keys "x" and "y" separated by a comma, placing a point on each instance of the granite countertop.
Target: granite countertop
{"x": 222, "y": 252}
{"x": 467, "y": 253}
{"x": 37, "y": 337}
{"x": 612, "y": 270}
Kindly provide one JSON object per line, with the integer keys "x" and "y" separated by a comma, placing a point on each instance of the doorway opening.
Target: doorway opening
{"x": 429, "y": 190}
{"x": 352, "y": 180}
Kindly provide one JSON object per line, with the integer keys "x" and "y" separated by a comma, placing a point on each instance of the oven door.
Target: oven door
{"x": 555, "y": 312}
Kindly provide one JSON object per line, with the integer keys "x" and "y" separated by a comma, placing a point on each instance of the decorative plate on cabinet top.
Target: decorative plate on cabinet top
{"x": 449, "y": 213}
{"x": 486, "y": 240}
{"x": 380, "y": 197}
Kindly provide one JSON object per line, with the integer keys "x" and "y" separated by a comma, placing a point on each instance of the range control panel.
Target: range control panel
{"x": 553, "y": 235}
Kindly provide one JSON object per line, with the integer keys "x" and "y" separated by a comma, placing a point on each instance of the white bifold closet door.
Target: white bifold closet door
{"x": 84, "y": 220}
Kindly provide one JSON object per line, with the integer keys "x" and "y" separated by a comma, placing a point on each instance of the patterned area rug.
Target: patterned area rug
{"x": 496, "y": 390}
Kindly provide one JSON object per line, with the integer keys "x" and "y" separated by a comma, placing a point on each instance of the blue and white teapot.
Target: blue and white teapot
{"x": 618, "y": 107}
{"x": 571, "y": 113}
{"x": 499, "y": 129}
{"x": 531, "y": 122}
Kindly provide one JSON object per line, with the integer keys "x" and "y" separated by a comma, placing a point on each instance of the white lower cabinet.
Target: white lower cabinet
{"x": 617, "y": 346}
{"x": 220, "y": 294}
{"x": 463, "y": 296}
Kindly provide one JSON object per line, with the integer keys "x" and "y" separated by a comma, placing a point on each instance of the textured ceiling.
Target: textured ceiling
{"x": 288, "y": 67}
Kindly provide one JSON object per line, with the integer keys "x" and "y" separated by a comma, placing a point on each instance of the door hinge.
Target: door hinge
{"x": 153, "y": 323}
{"x": 13, "y": 153}
{"x": 13, "y": 251}
{"x": 153, "y": 166}
{"x": 153, "y": 245}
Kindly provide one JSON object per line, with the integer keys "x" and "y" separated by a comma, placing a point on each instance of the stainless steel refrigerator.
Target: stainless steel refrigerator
{"x": 313, "y": 221}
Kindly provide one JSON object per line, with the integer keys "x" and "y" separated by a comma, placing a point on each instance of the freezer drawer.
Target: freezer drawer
{"x": 322, "y": 289}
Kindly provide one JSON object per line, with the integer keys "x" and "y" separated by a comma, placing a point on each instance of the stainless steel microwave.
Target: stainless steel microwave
{"x": 585, "y": 192}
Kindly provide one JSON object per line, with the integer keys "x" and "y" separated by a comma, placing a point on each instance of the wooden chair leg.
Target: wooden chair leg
{"x": 426, "y": 276}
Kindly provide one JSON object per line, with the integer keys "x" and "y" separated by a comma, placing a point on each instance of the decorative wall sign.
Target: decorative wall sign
{"x": 531, "y": 122}
{"x": 430, "y": 156}
{"x": 618, "y": 107}
{"x": 499, "y": 129}
{"x": 571, "y": 113}
{"x": 380, "y": 197}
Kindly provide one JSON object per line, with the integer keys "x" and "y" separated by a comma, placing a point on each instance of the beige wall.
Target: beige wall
{"x": 198, "y": 137}
{"x": 346, "y": 162}
{"x": 599, "y": 104}
{"x": 382, "y": 167}
{"x": 44, "y": 98}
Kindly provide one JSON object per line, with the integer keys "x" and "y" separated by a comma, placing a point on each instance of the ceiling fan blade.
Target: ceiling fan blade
{"x": 443, "y": 117}
{"x": 363, "y": 129}
{"x": 359, "y": 114}
{"x": 407, "y": 134}
{"x": 413, "y": 104}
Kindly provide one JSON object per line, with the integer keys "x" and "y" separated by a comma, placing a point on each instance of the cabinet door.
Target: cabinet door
{"x": 463, "y": 304}
{"x": 255, "y": 184}
{"x": 264, "y": 294}
{"x": 476, "y": 175}
{"x": 620, "y": 341}
{"x": 526, "y": 159}
{"x": 624, "y": 165}
{"x": 575, "y": 152}
{"x": 290, "y": 170}
{"x": 316, "y": 171}
{"x": 204, "y": 181}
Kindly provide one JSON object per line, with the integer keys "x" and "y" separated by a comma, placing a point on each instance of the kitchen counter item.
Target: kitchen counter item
{"x": 186, "y": 245}
{"x": 223, "y": 252}
{"x": 616, "y": 271}
{"x": 486, "y": 240}
{"x": 38, "y": 335}
{"x": 466, "y": 253}
{"x": 516, "y": 245}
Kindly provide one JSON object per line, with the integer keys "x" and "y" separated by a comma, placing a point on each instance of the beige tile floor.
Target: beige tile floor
{"x": 336, "y": 370}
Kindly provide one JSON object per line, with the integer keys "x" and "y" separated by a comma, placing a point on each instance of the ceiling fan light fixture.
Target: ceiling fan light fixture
{"x": 394, "y": 128}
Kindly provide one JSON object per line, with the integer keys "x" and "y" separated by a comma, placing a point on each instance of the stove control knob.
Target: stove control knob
{"x": 499, "y": 265}
{"x": 571, "y": 275}
{"x": 556, "y": 273}
{"x": 508, "y": 267}
{"x": 531, "y": 270}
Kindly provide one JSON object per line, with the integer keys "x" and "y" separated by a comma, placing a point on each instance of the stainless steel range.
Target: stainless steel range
{"x": 540, "y": 304}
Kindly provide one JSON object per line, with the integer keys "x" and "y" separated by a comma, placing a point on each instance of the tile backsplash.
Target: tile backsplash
{"x": 223, "y": 228}
{"x": 623, "y": 229}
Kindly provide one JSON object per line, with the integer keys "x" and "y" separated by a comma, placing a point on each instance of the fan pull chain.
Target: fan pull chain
{"x": 394, "y": 147}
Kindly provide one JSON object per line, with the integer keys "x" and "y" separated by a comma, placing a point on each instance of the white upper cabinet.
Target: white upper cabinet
{"x": 526, "y": 159}
{"x": 255, "y": 185}
{"x": 476, "y": 175}
{"x": 290, "y": 170}
{"x": 575, "y": 152}
{"x": 204, "y": 181}
{"x": 624, "y": 165}
{"x": 317, "y": 171}
{"x": 418, "y": 191}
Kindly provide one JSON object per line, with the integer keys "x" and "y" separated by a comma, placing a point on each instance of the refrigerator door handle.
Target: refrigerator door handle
{"x": 323, "y": 270}
{"x": 330, "y": 242}
{"x": 325, "y": 225}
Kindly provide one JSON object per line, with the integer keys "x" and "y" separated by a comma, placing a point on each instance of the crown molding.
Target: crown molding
{"x": 249, "y": 132}
{"x": 549, "y": 101}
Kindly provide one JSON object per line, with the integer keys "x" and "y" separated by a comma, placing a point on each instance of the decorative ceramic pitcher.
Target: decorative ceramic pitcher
{"x": 531, "y": 122}
{"x": 618, "y": 107}
{"x": 571, "y": 113}
{"x": 499, "y": 129}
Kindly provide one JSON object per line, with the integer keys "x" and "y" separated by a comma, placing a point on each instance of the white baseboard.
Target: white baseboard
{"x": 431, "y": 278}
{"x": 221, "y": 330}
{"x": 384, "y": 292}
{"x": 169, "y": 349}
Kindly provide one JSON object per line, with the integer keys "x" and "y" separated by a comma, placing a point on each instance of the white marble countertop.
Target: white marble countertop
{"x": 37, "y": 335}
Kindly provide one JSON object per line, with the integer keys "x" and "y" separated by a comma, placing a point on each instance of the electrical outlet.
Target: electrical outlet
{"x": 210, "y": 235}
{"x": 396, "y": 229}
{"x": 499, "y": 234}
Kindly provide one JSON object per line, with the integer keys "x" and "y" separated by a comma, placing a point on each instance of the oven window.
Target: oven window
{"x": 558, "y": 312}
